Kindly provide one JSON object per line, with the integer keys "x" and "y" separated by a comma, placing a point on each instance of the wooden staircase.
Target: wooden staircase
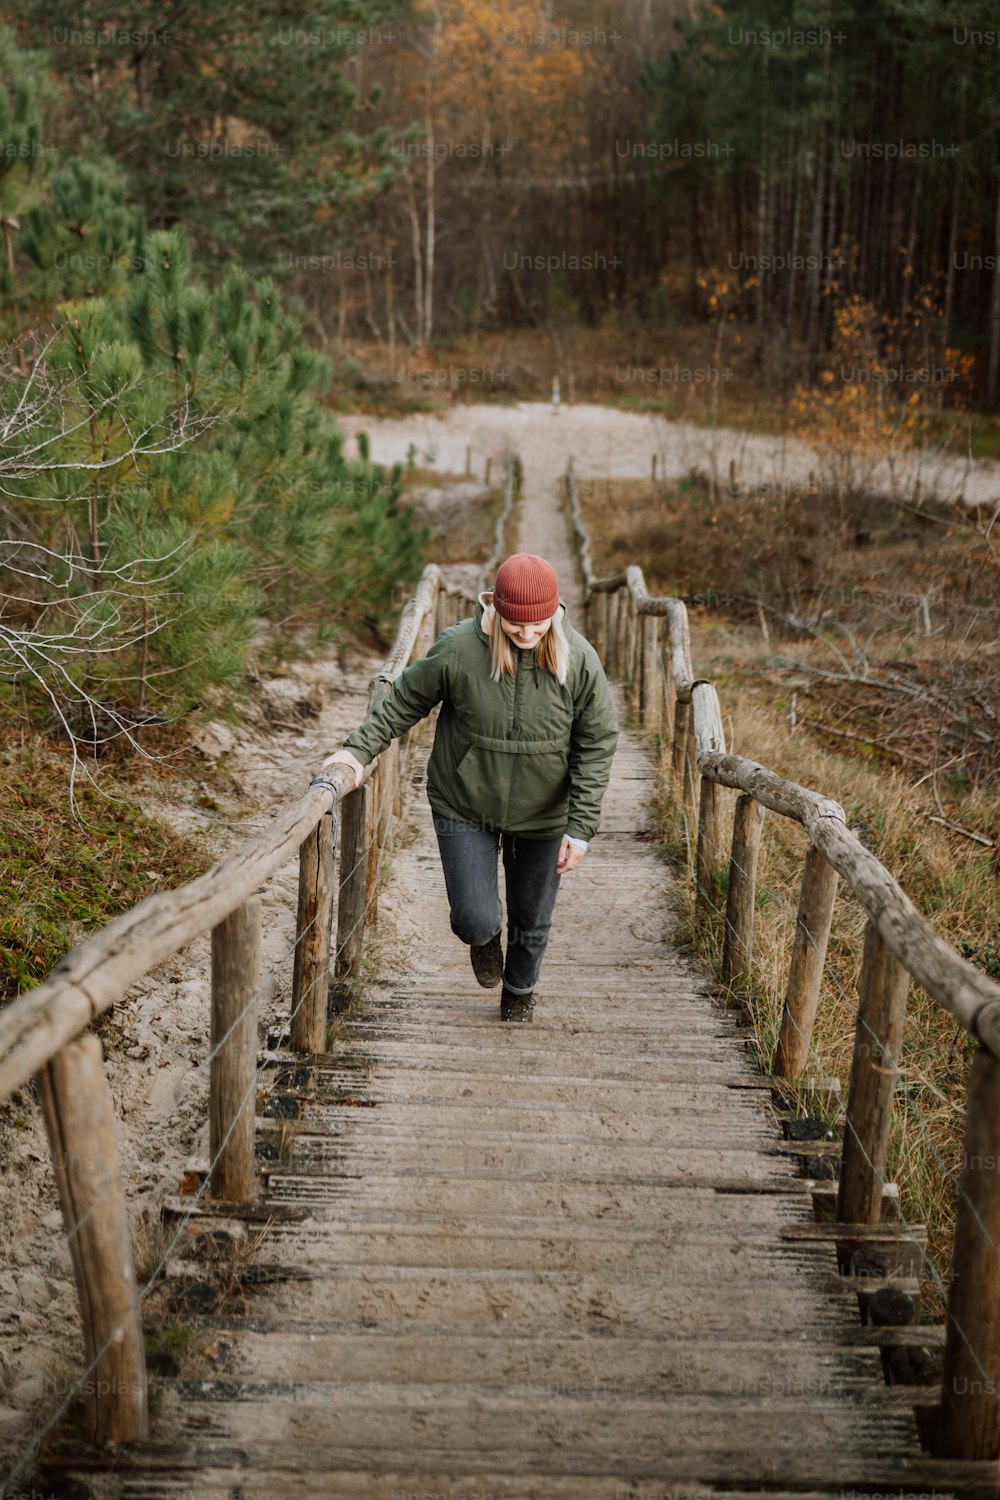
{"x": 567, "y": 1258}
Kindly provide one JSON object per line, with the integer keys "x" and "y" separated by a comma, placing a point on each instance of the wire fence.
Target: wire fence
{"x": 371, "y": 847}
{"x": 625, "y": 649}
{"x": 892, "y": 1064}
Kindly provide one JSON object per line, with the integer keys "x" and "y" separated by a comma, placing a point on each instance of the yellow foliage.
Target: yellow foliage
{"x": 484, "y": 77}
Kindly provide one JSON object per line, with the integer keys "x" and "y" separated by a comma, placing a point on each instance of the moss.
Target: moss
{"x": 66, "y": 875}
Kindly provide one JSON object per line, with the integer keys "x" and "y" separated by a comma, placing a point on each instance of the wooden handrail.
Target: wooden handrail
{"x": 622, "y": 618}
{"x": 98, "y": 971}
{"x": 963, "y": 990}
{"x": 41, "y": 1031}
{"x": 960, "y": 988}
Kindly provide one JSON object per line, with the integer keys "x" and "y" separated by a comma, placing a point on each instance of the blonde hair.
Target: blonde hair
{"x": 551, "y": 652}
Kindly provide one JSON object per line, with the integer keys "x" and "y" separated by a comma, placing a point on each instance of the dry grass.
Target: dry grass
{"x": 64, "y": 875}
{"x": 889, "y": 800}
{"x": 461, "y": 511}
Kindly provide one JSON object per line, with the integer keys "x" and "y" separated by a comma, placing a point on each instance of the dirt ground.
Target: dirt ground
{"x": 156, "y": 1038}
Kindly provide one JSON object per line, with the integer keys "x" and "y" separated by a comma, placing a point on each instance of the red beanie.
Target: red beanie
{"x": 526, "y": 589}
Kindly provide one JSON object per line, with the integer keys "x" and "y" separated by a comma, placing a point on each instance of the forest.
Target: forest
{"x": 198, "y": 207}
{"x": 429, "y": 163}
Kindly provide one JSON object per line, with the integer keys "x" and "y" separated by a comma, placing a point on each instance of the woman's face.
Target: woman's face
{"x": 523, "y": 635}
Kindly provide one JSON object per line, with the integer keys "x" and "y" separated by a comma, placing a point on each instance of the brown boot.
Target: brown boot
{"x": 516, "y": 1007}
{"x": 487, "y": 962}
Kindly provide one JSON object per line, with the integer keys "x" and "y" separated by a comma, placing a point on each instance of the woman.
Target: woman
{"x": 521, "y": 759}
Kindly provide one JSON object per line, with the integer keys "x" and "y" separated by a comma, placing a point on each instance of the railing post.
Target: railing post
{"x": 805, "y": 970}
{"x": 353, "y": 880}
{"x": 79, "y": 1119}
{"x": 877, "y": 1041}
{"x": 707, "y": 855}
{"x": 377, "y": 787}
{"x": 621, "y": 631}
{"x": 969, "y": 1426}
{"x": 595, "y": 624}
{"x": 631, "y": 653}
{"x": 668, "y": 688}
{"x": 611, "y": 616}
{"x": 748, "y": 823}
{"x": 232, "y": 1099}
{"x": 389, "y": 763}
{"x": 682, "y": 723}
{"x": 691, "y": 770}
{"x": 650, "y": 684}
{"x": 311, "y": 977}
{"x": 400, "y": 763}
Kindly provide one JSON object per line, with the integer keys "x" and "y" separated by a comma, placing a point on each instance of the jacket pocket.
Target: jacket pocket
{"x": 481, "y": 783}
{"x": 540, "y": 790}
{"x": 450, "y": 748}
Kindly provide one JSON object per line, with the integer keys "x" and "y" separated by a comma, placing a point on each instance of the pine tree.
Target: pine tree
{"x": 237, "y": 121}
{"x": 21, "y": 168}
{"x": 82, "y": 236}
{"x": 235, "y": 497}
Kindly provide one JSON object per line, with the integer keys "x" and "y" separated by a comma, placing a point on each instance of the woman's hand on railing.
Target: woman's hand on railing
{"x": 345, "y": 758}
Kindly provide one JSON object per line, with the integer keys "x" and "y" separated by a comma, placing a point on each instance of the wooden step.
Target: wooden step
{"x": 530, "y": 1431}
{"x": 211, "y": 1469}
{"x": 560, "y": 1361}
{"x": 812, "y": 1294}
{"x": 571, "y": 1258}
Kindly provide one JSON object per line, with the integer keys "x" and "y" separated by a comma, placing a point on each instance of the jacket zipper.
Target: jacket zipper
{"x": 517, "y": 692}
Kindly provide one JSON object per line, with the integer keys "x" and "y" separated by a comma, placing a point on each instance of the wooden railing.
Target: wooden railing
{"x": 44, "y": 1033}
{"x": 645, "y": 640}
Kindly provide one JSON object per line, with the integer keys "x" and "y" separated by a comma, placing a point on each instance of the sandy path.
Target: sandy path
{"x": 608, "y": 443}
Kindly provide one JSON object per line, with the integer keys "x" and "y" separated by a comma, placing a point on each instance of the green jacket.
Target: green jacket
{"x": 526, "y": 754}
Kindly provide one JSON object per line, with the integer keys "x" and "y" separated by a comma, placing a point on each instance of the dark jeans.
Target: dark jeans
{"x": 469, "y": 859}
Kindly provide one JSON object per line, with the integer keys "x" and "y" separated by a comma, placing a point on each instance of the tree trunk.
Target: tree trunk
{"x": 418, "y": 262}
{"x": 994, "y": 364}
{"x": 956, "y": 193}
{"x": 911, "y": 245}
{"x": 949, "y": 282}
{"x": 815, "y": 251}
{"x": 863, "y": 280}
{"x": 430, "y": 222}
{"x": 691, "y": 276}
{"x": 762, "y": 213}
{"x": 793, "y": 246}
{"x": 390, "y": 312}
